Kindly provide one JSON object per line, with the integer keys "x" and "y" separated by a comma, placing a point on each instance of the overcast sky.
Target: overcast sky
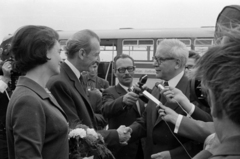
{"x": 109, "y": 14}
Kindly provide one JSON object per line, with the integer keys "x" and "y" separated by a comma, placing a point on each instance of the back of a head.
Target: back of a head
{"x": 219, "y": 69}
{"x": 80, "y": 40}
{"x": 174, "y": 48}
{"x": 30, "y": 44}
{"x": 5, "y": 48}
{"x": 194, "y": 55}
{"x": 229, "y": 17}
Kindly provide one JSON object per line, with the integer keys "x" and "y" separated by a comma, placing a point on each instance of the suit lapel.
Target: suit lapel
{"x": 73, "y": 78}
{"x": 76, "y": 82}
{"x": 54, "y": 102}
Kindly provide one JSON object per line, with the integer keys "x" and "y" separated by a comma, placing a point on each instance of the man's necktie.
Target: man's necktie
{"x": 129, "y": 89}
{"x": 163, "y": 99}
{"x": 165, "y": 83}
{"x": 82, "y": 83}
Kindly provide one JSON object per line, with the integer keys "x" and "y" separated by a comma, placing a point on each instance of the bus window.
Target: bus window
{"x": 107, "y": 53}
{"x": 187, "y": 42}
{"x": 140, "y": 49}
{"x": 63, "y": 50}
{"x": 202, "y": 45}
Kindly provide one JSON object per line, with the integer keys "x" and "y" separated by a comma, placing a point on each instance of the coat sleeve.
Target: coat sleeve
{"x": 139, "y": 128}
{"x": 199, "y": 114}
{"x": 29, "y": 125}
{"x": 195, "y": 129}
{"x": 111, "y": 106}
{"x": 111, "y": 138}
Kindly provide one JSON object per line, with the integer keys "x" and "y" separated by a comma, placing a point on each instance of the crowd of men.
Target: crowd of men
{"x": 52, "y": 96}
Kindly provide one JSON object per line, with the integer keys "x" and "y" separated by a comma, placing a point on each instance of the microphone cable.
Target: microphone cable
{"x": 175, "y": 135}
{"x": 178, "y": 140}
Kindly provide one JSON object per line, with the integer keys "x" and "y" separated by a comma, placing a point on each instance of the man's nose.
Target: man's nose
{"x": 155, "y": 63}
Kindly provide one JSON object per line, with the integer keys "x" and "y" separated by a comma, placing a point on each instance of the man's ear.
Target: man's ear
{"x": 178, "y": 64}
{"x": 115, "y": 72}
{"x": 81, "y": 53}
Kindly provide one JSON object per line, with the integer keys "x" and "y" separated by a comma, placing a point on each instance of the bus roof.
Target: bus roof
{"x": 148, "y": 33}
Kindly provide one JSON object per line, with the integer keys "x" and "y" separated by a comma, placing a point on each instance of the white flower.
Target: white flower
{"x": 92, "y": 132}
{"x": 77, "y": 132}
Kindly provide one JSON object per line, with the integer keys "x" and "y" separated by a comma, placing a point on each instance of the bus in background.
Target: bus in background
{"x": 141, "y": 45}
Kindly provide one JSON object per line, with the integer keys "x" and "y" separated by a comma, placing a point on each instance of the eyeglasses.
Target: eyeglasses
{"x": 123, "y": 69}
{"x": 161, "y": 60}
{"x": 188, "y": 67}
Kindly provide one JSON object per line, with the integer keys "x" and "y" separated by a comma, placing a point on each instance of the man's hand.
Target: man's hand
{"x": 124, "y": 134}
{"x": 161, "y": 155}
{"x": 168, "y": 114}
{"x": 211, "y": 143}
{"x": 130, "y": 98}
{"x": 97, "y": 91}
{"x": 174, "y": 94}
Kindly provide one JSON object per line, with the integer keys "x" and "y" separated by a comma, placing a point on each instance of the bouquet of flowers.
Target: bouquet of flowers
{"x": 85, "y": 142}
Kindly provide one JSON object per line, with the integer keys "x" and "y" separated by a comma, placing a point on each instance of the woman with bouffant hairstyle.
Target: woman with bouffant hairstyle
{"x": 36, "y": 125}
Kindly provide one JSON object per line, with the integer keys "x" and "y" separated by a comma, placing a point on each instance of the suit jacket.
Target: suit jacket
{"x": 95, "y": 98}
{"x": 197, "y": 130}
{"x": 36, "y": 125}
{"x": 113, "y": 111}
{"x": 71, "y": 96}
{"x": 95, "y": 82}
{"x": 159, "y": 137}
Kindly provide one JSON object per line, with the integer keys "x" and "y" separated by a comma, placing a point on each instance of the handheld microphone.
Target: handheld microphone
{"x": 141, "y": 82}
{"x": 151, "y": 97}
{"x": 159, "y": 85}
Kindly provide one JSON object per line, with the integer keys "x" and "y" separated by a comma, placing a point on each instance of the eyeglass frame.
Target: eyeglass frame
{"x": 126, "y": 68}
{"x": 161, "y": 60}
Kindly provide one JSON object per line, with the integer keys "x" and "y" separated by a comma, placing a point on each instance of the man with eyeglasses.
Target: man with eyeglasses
{"x": 169, "y": 62}
{"x": 121, "y": 106}
{"x": 192, "y": 60}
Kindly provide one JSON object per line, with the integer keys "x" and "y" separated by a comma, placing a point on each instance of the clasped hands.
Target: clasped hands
{"x": 124, "y": 134}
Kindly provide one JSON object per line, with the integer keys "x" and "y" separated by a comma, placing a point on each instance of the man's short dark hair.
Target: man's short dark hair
{"x": 219, "y": 70}
{"x": 80, "y": 40}
{"x": 30, "y": 45}
{"x": 193, "y": 55}
{"x": 121, "y": 56}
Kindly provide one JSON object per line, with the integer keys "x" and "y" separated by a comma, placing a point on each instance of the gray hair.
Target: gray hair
{"x": 80, "y": 40}
{"x": 174, "y": 48}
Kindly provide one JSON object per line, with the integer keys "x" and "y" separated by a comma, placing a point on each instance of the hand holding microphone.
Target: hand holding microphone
{"x": 130, "y": 98}
{"x": 175, "y": 95}
{"x": 167, "y": 114}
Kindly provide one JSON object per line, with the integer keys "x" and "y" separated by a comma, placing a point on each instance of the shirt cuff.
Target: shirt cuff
{"x": 177, "y": 125}
{"x": 3, "y": 86}
{"x": 192, "y": 109}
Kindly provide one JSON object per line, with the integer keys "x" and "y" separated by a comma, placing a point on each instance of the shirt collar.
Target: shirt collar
{"x": 229, "y": 146}
{"x": 124, "y": 87}
{"x": 73, "y": 68}
{"x": 174, "y": 81}
{"x": 93, "y": 78}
